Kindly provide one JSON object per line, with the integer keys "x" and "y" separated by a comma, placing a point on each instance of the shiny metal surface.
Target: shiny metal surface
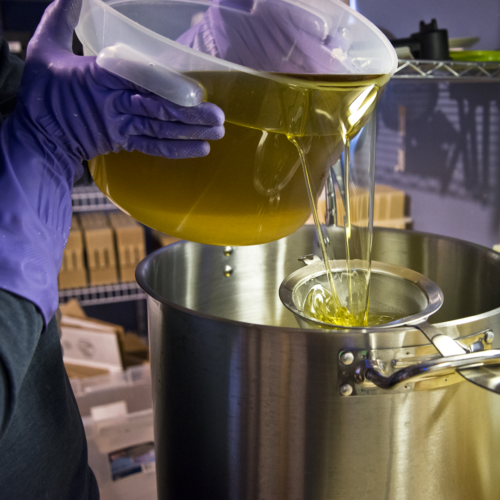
{"x": 487, "y": 377}
{"x": 444, "y": 344}
{"x": 414, "y": 368}
{"x": 433, "y": 368}
{"x": 249, "y": 407}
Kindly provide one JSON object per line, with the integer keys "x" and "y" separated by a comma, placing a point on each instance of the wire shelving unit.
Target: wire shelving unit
{"x": 453, "y": 71}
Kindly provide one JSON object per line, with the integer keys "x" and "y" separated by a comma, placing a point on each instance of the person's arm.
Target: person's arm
{"x": 68, "y": 109}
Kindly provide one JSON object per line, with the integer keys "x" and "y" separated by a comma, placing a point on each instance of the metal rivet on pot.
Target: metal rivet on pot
{"x": 346, "y": 390}
{"x": 228, "y": 251}
{"x": 347, "y": 358}
{"x": 228, "y": 270}
{"x": 488, "y": 338}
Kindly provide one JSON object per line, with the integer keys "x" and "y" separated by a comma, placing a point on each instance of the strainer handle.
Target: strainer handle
{"x": 480, "y": 375}
{"x": 475, "y": 367}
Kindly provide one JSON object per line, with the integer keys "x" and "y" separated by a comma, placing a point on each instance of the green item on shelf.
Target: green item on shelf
{"x": 476, "y": 55}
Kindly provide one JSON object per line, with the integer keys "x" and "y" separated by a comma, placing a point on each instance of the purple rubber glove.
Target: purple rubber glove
{"x": 69, "y": 109}
{"x": 269, "y": 36}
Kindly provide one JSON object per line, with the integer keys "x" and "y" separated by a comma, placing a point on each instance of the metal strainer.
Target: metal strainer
{"x": 393, "y": 290}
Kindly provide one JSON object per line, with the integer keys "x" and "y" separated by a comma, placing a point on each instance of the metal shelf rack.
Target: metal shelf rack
{"x": 103, "y": 294}
{"x": 452, "y": 71}
{"x": 89, "y": 199}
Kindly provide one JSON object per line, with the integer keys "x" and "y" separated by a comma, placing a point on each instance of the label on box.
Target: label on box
{"x": 90, "y": 348}
{"x": 132, "y": 460}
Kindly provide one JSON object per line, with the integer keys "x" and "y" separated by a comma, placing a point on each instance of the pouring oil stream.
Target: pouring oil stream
{"x": 358, "y": 112}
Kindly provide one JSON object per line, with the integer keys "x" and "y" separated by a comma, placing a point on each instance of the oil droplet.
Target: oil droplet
{"x": 228, "y": 251}
{"x": 228, "y": 270}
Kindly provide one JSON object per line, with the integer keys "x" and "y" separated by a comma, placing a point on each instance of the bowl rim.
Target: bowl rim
{"x": 109, "y": 8}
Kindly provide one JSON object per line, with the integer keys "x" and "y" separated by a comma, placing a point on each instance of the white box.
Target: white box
{"x": 96, "y": 349}
{"x": 118, "y": 418}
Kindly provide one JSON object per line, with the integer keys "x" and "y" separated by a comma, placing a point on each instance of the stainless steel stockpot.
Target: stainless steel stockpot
{"x": 250, "y": 407}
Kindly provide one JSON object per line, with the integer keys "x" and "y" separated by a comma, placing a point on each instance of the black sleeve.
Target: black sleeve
{"x": 11, "y": 70}
{"x": 43, "y": 449}
{"x": 20, "y": 328}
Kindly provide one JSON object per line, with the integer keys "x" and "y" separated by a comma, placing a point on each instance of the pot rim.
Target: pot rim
{"x": 143, "y": 266}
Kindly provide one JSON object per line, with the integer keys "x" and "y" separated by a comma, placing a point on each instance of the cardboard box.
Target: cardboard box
{"x": 99, "y": 248}
{"x": 389, "y": 203}
{"x": 134, "y": 350}
{"x": 130, "y": 241}
{"x": 389, "y": 206}
{"x": 73, "y": 273}
{"x": 93, "y": 347}
{"x": 83, "y": 372}
{"x": 359, "y": 207}
{"x": 89, "y": 345}
{"x": 402, "y": 223}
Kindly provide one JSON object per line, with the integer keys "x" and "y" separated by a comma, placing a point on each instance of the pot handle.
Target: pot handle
{"x": 475, "y": 367}
{"x": 484, "y": 377}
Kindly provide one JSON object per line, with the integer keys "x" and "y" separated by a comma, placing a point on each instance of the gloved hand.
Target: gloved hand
{"x": 270, "y": 36}
{"x": 70, "y": 109}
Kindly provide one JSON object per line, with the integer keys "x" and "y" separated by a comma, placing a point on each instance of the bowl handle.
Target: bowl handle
{"x": 138, "y": 68}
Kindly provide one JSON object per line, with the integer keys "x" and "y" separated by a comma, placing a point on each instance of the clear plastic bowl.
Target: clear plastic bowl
{"x": 250, "y": 188}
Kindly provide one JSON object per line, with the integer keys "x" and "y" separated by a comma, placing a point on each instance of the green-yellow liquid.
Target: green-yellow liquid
{"x": 321, "y": 305}
{"x": 250, "y": 189}
{"x": 260, "y": 182}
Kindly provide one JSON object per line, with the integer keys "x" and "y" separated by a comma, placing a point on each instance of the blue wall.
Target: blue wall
{"x": 462, "y": 18}
{"x": 440, "y": 142}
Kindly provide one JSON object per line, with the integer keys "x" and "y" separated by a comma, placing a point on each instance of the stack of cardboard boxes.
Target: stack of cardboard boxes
{"x": 73, "y": 273}
{"x": 130, "y": 244}
{"x": 102, "y": 249}
{"x": 389, "y": 208}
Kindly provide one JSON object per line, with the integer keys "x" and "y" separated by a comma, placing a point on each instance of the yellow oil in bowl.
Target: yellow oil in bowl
{"x": 250, "y": 189}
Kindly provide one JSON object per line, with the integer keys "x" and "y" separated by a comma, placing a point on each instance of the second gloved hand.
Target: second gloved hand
{"x": 267, "y": 35}
{"x": 69, "y": 109}
{"x": 84, "y": 111}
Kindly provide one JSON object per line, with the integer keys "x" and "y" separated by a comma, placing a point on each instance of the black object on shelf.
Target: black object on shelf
{"x": 430, "y": 43}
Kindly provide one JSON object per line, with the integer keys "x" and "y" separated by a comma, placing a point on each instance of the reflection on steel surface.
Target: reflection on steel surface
{"x": 252, "y": 404}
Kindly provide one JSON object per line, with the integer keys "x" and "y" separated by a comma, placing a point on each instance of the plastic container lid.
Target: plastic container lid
{"x": 135, "y": 39}
{"x": 476, "y": 55}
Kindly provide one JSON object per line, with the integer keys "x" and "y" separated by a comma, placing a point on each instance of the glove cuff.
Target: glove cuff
{"x": 35, "y": 214}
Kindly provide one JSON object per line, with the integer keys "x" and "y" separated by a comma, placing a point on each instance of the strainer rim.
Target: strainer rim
{"x": 430, "y": 288}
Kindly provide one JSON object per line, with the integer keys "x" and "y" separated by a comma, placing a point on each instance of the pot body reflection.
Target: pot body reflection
{"x": 248, "y": 406}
